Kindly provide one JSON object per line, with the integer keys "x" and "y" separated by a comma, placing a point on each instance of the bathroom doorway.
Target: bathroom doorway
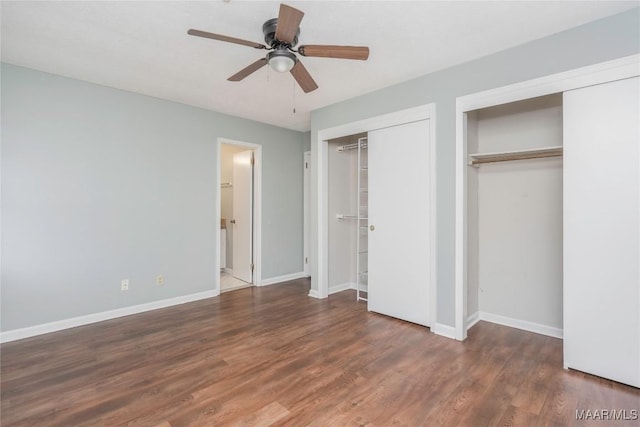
{"x": 237, "y": 201}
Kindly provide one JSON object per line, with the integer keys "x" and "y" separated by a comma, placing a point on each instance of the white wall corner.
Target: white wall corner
{"x": 444, "y": 330}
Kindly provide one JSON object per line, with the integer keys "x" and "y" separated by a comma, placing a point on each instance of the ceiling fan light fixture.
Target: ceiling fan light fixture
{"x": 281, "y": 60}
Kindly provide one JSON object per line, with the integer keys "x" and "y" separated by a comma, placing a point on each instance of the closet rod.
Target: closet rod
{"x": 352, "y": 146}
{"x": 226, "y": 185}
{"x": 340, "y": 217}
{"x": 477, "y": 159}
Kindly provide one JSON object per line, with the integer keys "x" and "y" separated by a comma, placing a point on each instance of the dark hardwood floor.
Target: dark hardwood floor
{"x": 273, "y": 356}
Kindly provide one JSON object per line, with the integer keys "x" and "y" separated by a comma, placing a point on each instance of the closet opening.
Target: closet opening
{"x": 597, "y": 277}
{"x": 347, "y": 214}
{"x": 514, "y": 200}
{"x": 386, "y": 188}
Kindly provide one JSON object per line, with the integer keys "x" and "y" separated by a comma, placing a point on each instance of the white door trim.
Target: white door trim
{"x": 581, "y": 77}
{"x": 306, "y": 256}
{"x": 320, "y": 195}
{"x": 257, "y": 208}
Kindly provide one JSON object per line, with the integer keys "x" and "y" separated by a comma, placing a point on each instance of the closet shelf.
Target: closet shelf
{"x": 363, "y": 219}
{"x": 477, "y": 159}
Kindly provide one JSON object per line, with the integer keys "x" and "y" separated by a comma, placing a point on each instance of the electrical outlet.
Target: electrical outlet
{"x": 159, "y": 280}
{"x": 124, "y": 285}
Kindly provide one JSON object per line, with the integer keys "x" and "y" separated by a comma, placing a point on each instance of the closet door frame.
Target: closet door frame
{"x": 319, "y": 185}
{"x": 581, "y": 77}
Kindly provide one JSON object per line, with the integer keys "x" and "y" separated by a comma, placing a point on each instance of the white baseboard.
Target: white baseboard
{"x": 45, "y": 328}
{"x": 228, "y": 271}
{"x": 444, "y": 330}
{"x": 280, "y": 279}
{"x": 521, "y": 324}
{"x": 314, "y": 294}
{"x": 473, "y": 319}
{"x": 341, "y": 287}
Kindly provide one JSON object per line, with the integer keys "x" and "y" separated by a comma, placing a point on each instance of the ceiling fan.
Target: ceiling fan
{"x": 281, "y": 36}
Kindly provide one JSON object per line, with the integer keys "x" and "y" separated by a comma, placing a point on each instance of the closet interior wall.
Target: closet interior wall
{"x": 514, "y": 217}
{"x": 342, "y": 200}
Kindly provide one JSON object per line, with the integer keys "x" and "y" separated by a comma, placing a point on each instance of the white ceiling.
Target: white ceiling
{"x": 143, "y": 46}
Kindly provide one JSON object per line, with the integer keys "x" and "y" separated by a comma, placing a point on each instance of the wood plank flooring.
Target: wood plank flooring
{"x": 274, "y": 356}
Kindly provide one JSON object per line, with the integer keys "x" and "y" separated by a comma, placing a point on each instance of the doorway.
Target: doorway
{"x": 239, "y": 212}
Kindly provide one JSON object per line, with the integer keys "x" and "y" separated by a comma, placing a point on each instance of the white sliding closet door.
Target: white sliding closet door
{"x": 399, "y": 222}
{"x": 602, "y": 230}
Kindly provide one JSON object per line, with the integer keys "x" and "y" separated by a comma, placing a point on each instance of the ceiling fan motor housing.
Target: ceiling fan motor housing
{"x": 269, "y": 31}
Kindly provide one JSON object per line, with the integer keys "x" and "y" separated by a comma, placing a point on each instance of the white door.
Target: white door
{"x": 602, "y": 230}
{"x": 399, "y": 222}
{"x": 243, "y": 215}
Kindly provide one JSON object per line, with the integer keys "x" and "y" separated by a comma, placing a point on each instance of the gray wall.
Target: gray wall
{"x": 599, "y": 41}
{"x": 306, "y": 139}
{"x": 99, "y": 185}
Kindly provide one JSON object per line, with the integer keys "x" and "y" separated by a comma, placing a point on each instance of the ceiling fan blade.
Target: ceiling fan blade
{"x": 342, "y": 52}
{"x": 289, "y": 20}
{"x": 222, "y": 38}
{"x": 304, "y": 79}
{"x": 248, "y": 70}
